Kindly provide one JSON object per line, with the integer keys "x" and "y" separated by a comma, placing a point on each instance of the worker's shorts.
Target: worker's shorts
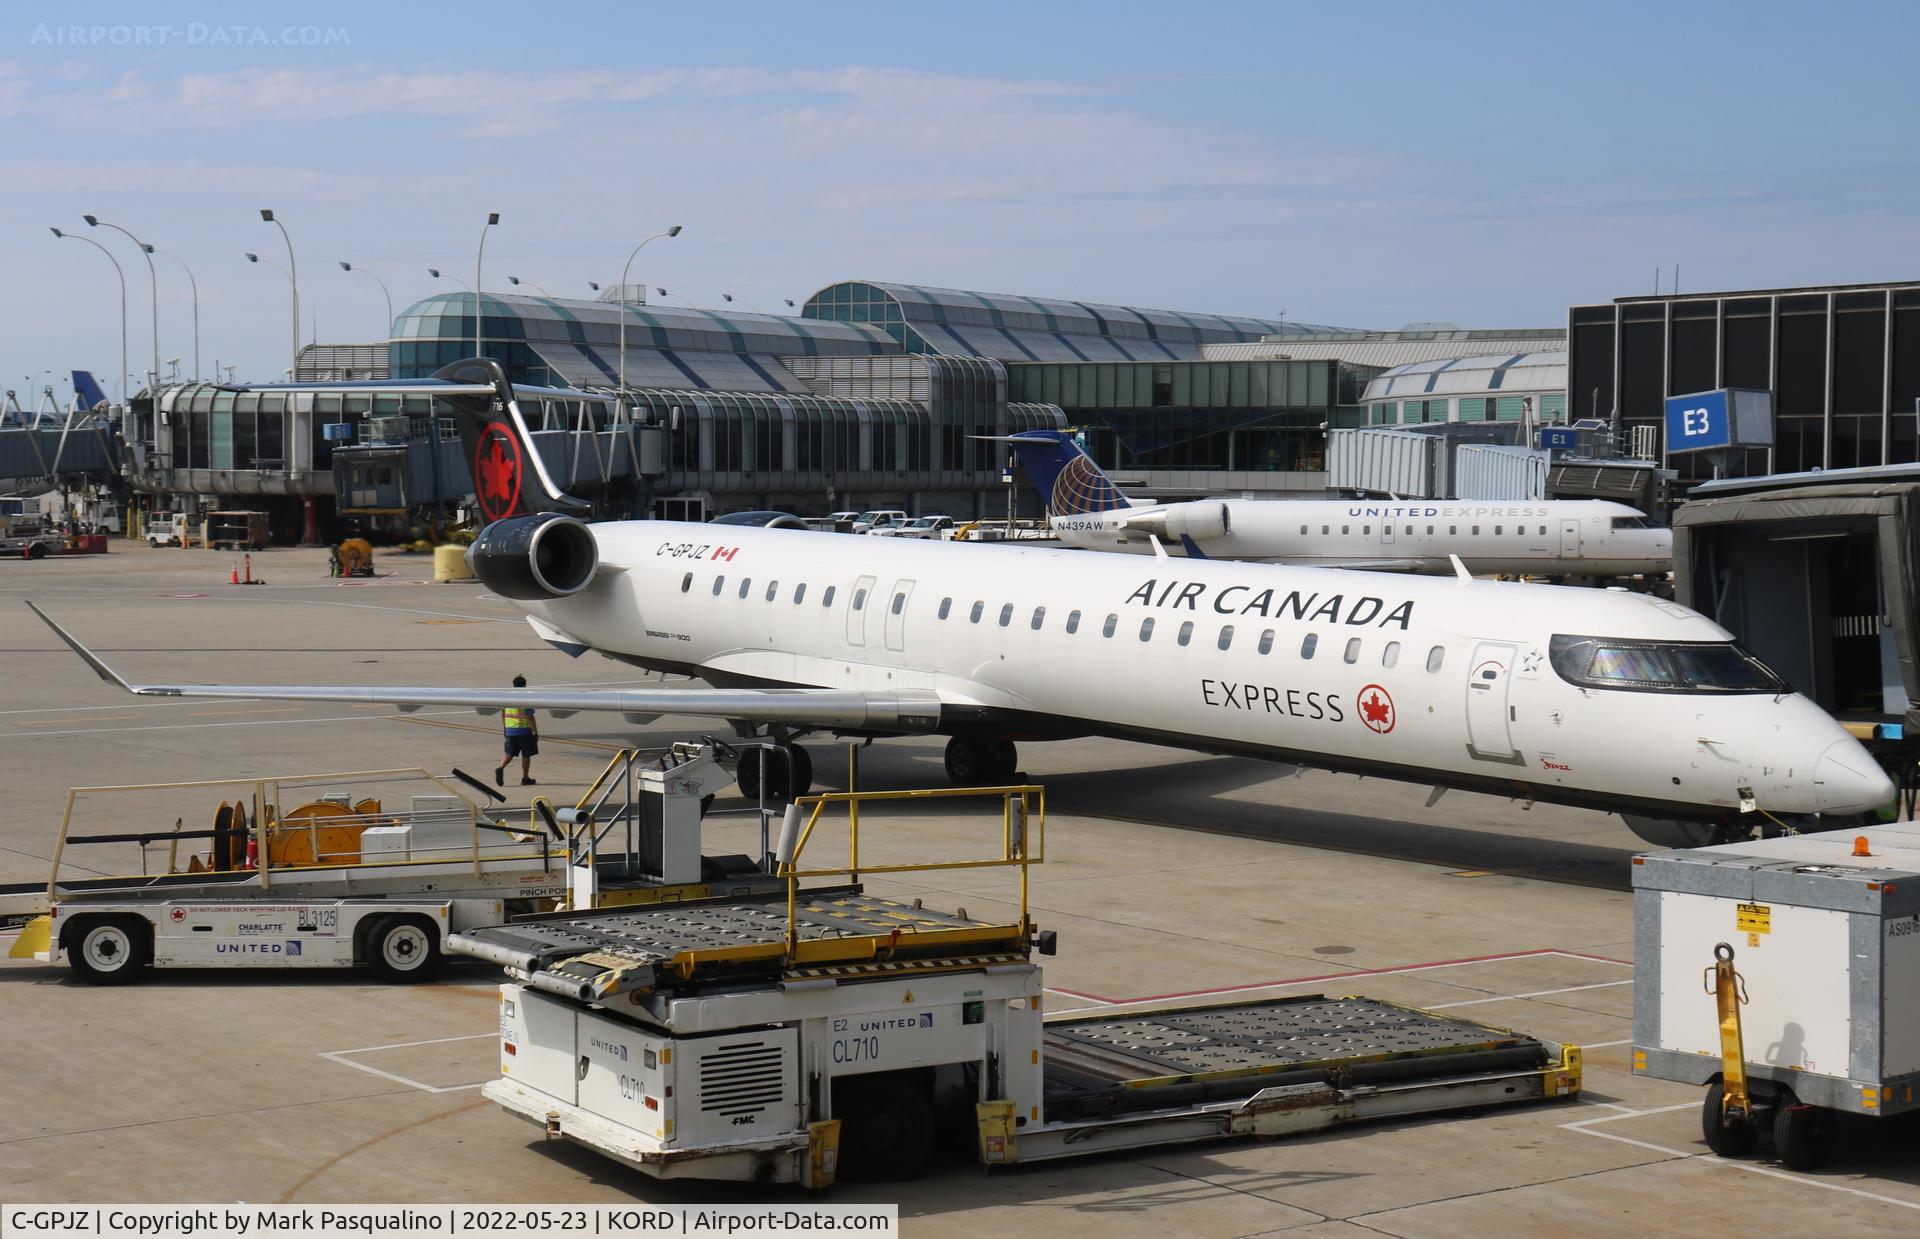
{"x": 523, "y": 744}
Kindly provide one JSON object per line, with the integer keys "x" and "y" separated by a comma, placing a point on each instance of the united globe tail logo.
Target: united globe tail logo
{"x": 497, "y": 470}
{"x": 1081, "y": 488}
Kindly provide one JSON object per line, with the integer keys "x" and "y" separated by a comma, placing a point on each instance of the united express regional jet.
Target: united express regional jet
{"x": 1610, "y": 700}
{"x": 1544, "y": 537}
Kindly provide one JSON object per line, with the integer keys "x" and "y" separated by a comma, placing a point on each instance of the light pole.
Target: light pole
{"x": 493, "y": 217}
{"x": 671, "y": 232}
{"x": 435, "y": 273}
{"x": 789, "y": 301}
{"x": 516, "y": 281}
{"x": 153, "y": 284}
{"x": 123, "y": 304}
{"x": 595, "y": 287}
{"x": 728, "y": 297}
{"x": 664, "y": 293}
{"x": 195, "y": 286}
{"x": 268, "y": 262}
{"x": 347, "y": 266}
{"x": 293, "y": 279}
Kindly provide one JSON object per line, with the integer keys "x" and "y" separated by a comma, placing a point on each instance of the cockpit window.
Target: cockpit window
{"x": 1632, "y": 522}
{"x": 1661, "y": 666}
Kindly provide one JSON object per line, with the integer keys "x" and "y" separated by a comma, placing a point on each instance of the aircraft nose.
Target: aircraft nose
{"x": 1846, "y": 779}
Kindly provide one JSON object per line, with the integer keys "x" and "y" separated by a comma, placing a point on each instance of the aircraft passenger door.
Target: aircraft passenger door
{"x": 859, "y": 602}
{"x": 1570, "y": 539}
{"x": 897, "y": 601}
{"x": 1489, "y": 717}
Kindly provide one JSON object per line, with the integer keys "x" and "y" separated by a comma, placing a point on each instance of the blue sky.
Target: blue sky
{"x": 1358, "y": 165}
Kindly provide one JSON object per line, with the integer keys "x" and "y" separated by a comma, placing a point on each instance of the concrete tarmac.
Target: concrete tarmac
{"x": 1167, "y": 873}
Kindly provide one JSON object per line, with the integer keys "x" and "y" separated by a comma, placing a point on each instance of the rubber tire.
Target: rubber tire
{"x": 37, "y": 551}
{"x": 886, "y": 1129}
{"x": 381, "y": 955}
{"x": 1735, "y": 1141}
{"x": 746, "y": 775}
{"x": 1006, "y": 760}
{"x": 130, "y": 933}
{"x": 802, "y": 769}
{"x": 969, "y": 762}
{"x": 1800, "y": 1135}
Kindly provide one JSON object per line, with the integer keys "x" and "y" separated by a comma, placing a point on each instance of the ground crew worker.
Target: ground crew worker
{"x": 523, "y": 738}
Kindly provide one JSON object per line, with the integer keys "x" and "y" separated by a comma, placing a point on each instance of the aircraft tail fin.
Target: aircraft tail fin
{"x": 1066, "y": 476}
{"x": 510, "y": 478}
{"x": 88, "y": 389}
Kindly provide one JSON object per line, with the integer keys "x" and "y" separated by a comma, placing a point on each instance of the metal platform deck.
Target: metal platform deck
{"x": 589, "y": 956}
{"x": 1107, "y": 1064}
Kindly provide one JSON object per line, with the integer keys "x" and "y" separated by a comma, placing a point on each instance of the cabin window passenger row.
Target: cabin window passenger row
{"x": 826, "y": 599}
{"x": 1353, "y": 650}
{"x": 1266, "y": 641}
{"x": 1146, "y": 629}
{"x": 1073, "y": 622}
{"x": 899, "y": 601}
{"x": 1186, "y": 632}
{"x": 719, "y": 583}
{"x": 1390, "y": 655}
{"x": 686, "y": 582}
{"x": 1039, "y": 617}
{"x": 979, "y": 609}
{"x": 1307, "y": 645}
{"x": 773, "y": 590}
{"x": 859, "y": 599}
{"x": 799, "y": 593}
{"x": 946, "y": 607}
{"x": 746, "y": 583}
{"x": 1435, "y": 657}
{"x": 1006, "y": 615}
{"x": 1226, "y": 636}
{"x": 1113, "y": 622}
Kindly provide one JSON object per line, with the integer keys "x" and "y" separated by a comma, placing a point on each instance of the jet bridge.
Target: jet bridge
{"x": 1816, "y": 574}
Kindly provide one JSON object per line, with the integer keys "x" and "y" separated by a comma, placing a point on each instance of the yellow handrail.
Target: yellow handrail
{"x": 1028, "y": 849}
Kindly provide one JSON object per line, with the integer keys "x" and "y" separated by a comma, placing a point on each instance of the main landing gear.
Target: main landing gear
{"x": 789, "y": 772}
{"x": 979, "y": 761}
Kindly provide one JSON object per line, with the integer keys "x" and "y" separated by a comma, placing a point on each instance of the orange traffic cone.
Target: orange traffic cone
{"x": 233, "y": 575}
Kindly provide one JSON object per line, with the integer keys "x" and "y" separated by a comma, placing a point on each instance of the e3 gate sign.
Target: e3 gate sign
{"x": 1730, "y": 417}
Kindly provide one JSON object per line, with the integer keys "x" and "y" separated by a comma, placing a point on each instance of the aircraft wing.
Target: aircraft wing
{"x": 850, "y": 709}
{"x": 1375, "y": 564}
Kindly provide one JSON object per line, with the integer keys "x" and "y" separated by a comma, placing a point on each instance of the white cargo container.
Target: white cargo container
{"x": 1823, "y": 931}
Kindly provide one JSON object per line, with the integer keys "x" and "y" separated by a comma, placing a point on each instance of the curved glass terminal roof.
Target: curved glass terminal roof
{"x": 1019, "y": 328}
{"x": 667, "y": 346}
{"x": 1479, "y": 375}
{"x": 513, "y": 316}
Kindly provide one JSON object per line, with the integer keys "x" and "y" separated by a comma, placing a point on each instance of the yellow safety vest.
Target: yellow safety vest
{"x": 513, "y": 718}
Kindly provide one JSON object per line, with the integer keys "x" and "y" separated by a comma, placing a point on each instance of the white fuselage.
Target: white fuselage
{"x": 1440, "y": 681}
{"x": 1549, "y": 537}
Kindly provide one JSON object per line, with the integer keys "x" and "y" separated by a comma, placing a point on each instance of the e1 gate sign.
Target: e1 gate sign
{"x": 1730, "y": 417}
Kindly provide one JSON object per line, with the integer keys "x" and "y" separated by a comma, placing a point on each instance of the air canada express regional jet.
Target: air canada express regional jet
{"x": 1604, "y": 699}
{"x": 1544, "y": 537}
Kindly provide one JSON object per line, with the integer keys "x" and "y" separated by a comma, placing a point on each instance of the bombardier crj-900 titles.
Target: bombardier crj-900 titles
{"x": 1549, "y": 537}
{"x": 1610, "y": 700}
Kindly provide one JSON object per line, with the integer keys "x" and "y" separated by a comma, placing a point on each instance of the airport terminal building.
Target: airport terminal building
{"x": 874, "y": 395}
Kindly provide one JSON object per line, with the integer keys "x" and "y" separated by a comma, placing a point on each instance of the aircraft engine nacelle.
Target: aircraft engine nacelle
{"x": 546, "y": 555}
{"x": 1200, "y": 520}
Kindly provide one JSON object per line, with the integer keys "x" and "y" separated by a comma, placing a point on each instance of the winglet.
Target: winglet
{"x": 1460, "y": 570}
{"x": 92, "y": 660}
